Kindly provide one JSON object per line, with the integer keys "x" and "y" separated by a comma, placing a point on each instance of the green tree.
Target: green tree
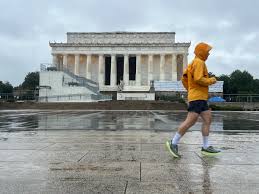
{"x": 256, "y": 86}
{"x": 6, "y": 87}
{"x": 241, "y": 82}
{"x": 226, "y": 86}
{"x": 6, "y": 90}
{"x": 27, "y": 90}
{"x": 31, "y": 81}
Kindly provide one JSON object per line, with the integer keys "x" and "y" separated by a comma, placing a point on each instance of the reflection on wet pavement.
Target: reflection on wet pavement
{"x": 125, "y": 161}
{"x": 36, "y": 158}
{"x": 118, "y": 120}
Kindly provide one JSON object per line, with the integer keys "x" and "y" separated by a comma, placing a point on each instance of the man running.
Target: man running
{"x": 196, "y": 81}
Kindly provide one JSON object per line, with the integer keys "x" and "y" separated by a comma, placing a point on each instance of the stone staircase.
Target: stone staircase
{"x": 83, "y": 82}
{"x": 70, "y": 79}
{"x": 89, "y": 84}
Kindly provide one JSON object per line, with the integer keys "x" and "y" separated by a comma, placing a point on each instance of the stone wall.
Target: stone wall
{"x": 53, "y": 79}
{"x": 122, "y": 37}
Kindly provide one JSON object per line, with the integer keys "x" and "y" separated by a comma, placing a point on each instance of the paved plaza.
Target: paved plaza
{"x": 128, "y": 156}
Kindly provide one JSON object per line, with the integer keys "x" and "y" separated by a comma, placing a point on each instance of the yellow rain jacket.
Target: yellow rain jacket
{"x": 195, "y": 77}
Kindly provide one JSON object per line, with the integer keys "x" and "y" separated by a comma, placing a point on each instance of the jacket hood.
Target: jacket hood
{"x": 202, "y": 51}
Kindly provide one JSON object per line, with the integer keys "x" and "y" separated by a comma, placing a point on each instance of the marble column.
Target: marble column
{"x": 150, "y": 68}
{"x": 101, "y": 70}
{"x": 88, "y": 66}
{"x": 185, "y": 60}
{"x": 126, "y": 70}
{"x": 65, "y": 61}
{"x": 138, "y": 70}
{"x": 61, "y": 67}
{"x": 76, "y": 67}
{"x": 162, "y": 67}
{"x": 55, "y": 61}
{"x": 113, "y": 71}
{"x": 174, "y": 68}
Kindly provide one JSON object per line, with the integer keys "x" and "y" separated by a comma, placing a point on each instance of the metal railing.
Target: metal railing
{"x": 45, "y": 66}
{"x": 6, "y": 96}
{"x": 20, "y": 95}
{"x": 75, "y": 98}
{"x": 82, "y": 81}
{"x": 241, "y": 97}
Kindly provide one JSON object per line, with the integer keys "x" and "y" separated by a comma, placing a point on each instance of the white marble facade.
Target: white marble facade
{"x": 134, "y": 57}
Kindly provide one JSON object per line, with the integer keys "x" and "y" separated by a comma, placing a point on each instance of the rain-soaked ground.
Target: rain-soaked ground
{"x": 63, "y": 152}
{"x": 117, "y": 120}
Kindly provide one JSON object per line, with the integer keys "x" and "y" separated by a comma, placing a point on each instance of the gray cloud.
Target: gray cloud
{"x": 229, "y": 26}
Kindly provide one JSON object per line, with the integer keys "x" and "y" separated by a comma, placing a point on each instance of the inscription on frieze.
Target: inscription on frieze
{"x": 122, "y": 37}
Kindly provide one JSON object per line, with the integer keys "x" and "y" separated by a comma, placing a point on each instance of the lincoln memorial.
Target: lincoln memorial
{"x": 118, "y": 62}
{"x": 134, "y": 57}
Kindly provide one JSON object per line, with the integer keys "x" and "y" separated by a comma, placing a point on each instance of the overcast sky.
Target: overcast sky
{"x": 230, "y": 26}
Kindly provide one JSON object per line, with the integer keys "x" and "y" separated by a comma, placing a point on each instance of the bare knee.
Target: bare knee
{"x": 187, "y": 124}
{"x": 207, "y": 121}
{"x": 206, "y": 117}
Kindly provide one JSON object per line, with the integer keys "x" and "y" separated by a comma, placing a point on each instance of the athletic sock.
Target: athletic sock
{"x": 176, "y": 138}
{"x": 205, "y": 141}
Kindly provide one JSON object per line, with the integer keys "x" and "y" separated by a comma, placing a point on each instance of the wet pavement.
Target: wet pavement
{"x": 40, "y": 153}
{"x": 116, "y": 120}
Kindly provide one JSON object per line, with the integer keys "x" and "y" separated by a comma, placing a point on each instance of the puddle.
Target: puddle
{"x": 3, "y": 139}
{"x": 11, "y": 121}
